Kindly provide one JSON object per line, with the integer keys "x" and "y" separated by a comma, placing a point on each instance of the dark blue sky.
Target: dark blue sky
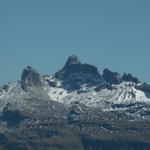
{"x": 105, "y": 33}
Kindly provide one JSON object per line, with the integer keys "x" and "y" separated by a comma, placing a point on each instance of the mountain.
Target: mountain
{"x": 77, "y": 108}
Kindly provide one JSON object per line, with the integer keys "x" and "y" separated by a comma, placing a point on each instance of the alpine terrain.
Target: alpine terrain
{"x": 77, "y": 108}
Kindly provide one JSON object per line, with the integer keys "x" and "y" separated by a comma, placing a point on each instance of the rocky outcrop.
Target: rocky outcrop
{"x": 30, "y": 77}
{"x": 72, "y": 60}
{"x": 12, "y": 117}
{"x": 111, "y": 77}
{"x": 74, "y": 74}
{"x": 129, "y": 78}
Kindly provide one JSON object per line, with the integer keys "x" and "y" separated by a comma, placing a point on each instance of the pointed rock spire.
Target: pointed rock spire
{"x": 75, "y": 74}
{"x": 72, "y": 60}
{"x": 130, "y": 78}
{"x": 30, "y": 77}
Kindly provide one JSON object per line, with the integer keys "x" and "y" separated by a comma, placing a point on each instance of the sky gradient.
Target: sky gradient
{"x": 43, "y": 33}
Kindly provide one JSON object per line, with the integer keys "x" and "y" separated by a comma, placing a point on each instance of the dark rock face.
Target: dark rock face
{"x": 111, "y": 77}
{"x": 91, "y": 144}
{"x": 74, "y": 74}
{"x": 17, "y": 146}
{"x": 12, "y": 117}
{"x": 3, "y": 139}
{"x": 72, "y": 60}
{"x": 30, "y": 77}
{"x": 129, "y": 78}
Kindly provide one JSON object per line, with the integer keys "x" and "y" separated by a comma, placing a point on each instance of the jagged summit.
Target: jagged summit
{"x": 84, "y": 81}
{"x": 40, "y": 112}
{"x": 111, "y": 77}
{"x": 30, "y": 77}
{"x": 129, "y": 78}
{"x": 74, "y": 74}
{"x": 115, "y": 78}
{"x": 73, "y": 59}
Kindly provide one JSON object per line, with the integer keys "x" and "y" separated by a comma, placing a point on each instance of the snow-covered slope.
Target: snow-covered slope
{"x": 119, "y": 94}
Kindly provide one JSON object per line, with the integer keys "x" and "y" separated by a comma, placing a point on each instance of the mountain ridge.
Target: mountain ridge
{"x": 83, "y": 78}
{"x": 103, "y": 111}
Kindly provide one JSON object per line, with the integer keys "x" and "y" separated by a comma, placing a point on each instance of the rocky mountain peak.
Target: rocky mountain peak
{"x": 73, "y": 59}
{"x": 129, "y": 78}
{"x": 111, "y": 77}
{"x": 74, "y": 74}
{"x": 30, "y": 77}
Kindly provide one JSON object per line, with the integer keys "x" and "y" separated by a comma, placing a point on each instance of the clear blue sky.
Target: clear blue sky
{"x": 105, "y": 33}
